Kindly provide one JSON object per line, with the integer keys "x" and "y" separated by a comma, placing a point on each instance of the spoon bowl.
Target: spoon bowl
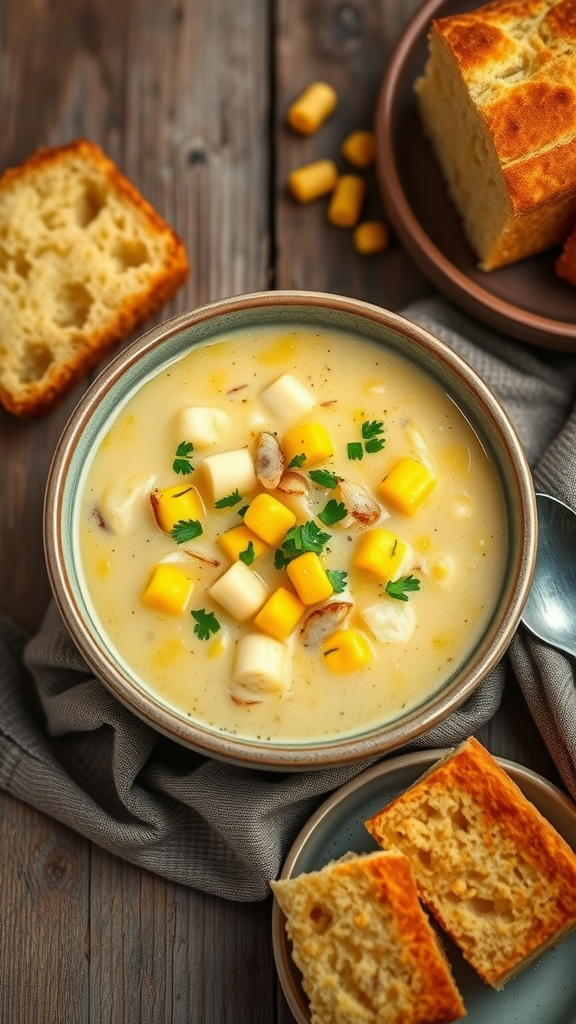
{"x": 550, "y": 611}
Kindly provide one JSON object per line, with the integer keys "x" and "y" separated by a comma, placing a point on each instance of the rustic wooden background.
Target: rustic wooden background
{"x": 189, "y": 97}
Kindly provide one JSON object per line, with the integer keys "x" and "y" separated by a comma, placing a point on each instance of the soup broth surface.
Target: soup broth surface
{"x": 457, "y": 538}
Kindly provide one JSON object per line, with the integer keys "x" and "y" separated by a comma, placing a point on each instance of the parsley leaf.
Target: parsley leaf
{"x": 355, "y": 450}
{"x": 324, "y": 478}
{"x": 248, "y": 555}
{"x": 372, "y": 442}
{"x": 398, "y": 588}
{"x": 375, "y": 444}
{"x": 371, "y": 428}
{"x": 229, "y": 500}
{"x": 206, "y": 624}
{"x": 182, "y": 462}
{"x": 186, "y": 529}
{"x": 307, "y": 537}
{"x": 242, "y": 511}
{"x": 332, "y": 512}
{"x": 297, "y": 462}
{"x": 338, "y": 578}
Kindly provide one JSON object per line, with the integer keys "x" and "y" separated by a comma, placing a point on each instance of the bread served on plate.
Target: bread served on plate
{"x": 498, "y": 102}
{"x": 364, "y": 946}
{"x": 84, "y": 259}
{"x": 492, "y": 870}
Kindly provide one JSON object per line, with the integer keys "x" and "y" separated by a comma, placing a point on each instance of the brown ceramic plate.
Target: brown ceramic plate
{"x": 526, "y": 300}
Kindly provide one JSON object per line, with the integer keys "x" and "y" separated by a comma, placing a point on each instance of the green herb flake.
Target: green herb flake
{"x": 206, "y": 623}
{"x": 297, "y": 462}
{"x": 372, "y": 428}
{"x": 332, "y": 512}
{"x": 229, "y": 500}
{"x": 401, "y": 587}
{"x": 185, "y": 530}
{"x": 375, "y": 444}
{"x": 242, "y": 511}
{"x": 324, "y": 478}
{"x": 339, "y": 580}
{"x": 182, "y": 462}
{"x": 298, "y": 540}
{"x": 248, "y": 555}
{"x": 355, "y": 450}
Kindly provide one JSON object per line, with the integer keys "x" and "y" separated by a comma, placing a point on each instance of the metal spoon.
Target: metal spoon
{"x": 550, "y": 611}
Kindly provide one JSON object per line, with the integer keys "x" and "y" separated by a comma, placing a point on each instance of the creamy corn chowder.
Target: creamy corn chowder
{"x": 290, "y": 536}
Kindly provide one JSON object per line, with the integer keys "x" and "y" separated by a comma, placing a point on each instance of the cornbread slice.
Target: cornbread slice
{"x": 492, "y": 870}
{"x": 364, "y": 946}
{"x": 498, "y": 103}
{"x": 84, "y": 259}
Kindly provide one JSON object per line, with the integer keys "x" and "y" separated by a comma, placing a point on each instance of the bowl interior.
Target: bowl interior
{"x": 167, "y": 343}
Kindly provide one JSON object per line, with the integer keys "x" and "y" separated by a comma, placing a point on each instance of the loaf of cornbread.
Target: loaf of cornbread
{"x": 364, "y": 946}
{"x": 84, "y": 259}
{"x": 492, "y": 870}
{"x": 498, "y": 102}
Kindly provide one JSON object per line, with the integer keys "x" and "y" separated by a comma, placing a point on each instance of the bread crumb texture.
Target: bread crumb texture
{"x": 364, "y": 946}
{"x": 492, "y": 870}
{"x": 498, "y": 102}
{"x": 84, "y": 259}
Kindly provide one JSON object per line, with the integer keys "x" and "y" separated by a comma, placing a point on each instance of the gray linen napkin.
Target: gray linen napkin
{"x": 70, "y": 749}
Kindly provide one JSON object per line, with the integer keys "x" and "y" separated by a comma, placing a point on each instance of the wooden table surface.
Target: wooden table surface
{"x": 189, "y": 97}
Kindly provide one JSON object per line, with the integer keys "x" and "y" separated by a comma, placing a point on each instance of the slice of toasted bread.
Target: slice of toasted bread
{"x": 364, "y": 946}
{"x": 492, "y": 870}
{"x": 84, "y": 259}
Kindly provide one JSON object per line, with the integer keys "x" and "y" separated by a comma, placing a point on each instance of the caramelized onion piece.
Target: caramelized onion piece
{"x": 362, "y": 507}
{"x": 324, "y": 621}
{"x": 293, "y": 483}
{"x": 270, "y": 461}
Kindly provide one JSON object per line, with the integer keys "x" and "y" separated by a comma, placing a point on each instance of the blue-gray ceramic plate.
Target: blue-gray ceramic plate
{"x": 544, "y": 993}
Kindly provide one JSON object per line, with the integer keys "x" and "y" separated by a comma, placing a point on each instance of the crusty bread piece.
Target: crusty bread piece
{"x": 84, "y": 259}
{"x": 498, "y": 103}
{"x": 364, "y": 946}
{"x": 491, "y": 869}
{"x": 565, "y": 265}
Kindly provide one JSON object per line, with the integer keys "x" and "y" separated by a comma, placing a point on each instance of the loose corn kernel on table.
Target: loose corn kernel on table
{"x": 191, "y": 100}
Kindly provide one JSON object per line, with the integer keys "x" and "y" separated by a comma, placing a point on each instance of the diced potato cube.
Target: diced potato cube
{"x": 262, "y": 665}
{"x": 227, "y": 472}
{"x": 239, "y": 591}
{"x": 390, "y": 621}
{"x": 269, "y": 518}
{"x": 173, "y": 504}
{"x": 281, "y": 614}
{"x": 169, "y": 590}
{"x": 406, "y": 486}
{"x": 309, "y": 439}
{"x": 202, "y": 425}
{"x": 382, "y": 553}
{"x": 346, "y": 651}
{"x": 287, "y": 399}
{"x": 120, "y": 499}
{"x": 236, "y": 541}
{"x": 309, "y": 579}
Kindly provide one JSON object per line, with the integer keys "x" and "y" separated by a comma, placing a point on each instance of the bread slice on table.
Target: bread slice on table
{"x": 364, "y": 946}
{"x": 492, "y": 870}
{"x": 84, "y": 259}
{"x": 498, "y": 102}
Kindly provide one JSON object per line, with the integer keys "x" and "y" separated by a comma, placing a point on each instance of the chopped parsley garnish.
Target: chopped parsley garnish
{"x": 185, "y": 530}
{"x": 182, "y": 462}
{"x": 355, "y": 450}
{"x": 298, "y": 540}
{"x": 206, "y": 624}
{"x": 338, "y": 578}
{"x": 372, "y": 441}
{"x": 297, "y": 462}
{"x": 324, "y": 478}
{"x": 401, "y": 587}
{"x": 372, "y": 428}
{"x": 248, "y": 555}
{"x": 332, "y": 512}
{"x": 242, "y": 511}
{"x": 229, "y": 500}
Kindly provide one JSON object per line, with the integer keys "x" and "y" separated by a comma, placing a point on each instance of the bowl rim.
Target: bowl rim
{"x": 296, "y": 756}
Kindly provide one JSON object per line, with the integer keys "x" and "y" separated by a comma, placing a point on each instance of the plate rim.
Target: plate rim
{"x": 534, "y": 328}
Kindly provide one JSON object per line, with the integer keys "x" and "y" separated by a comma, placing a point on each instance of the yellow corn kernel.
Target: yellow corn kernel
{"x": 379, "y": 552}
{"x": 268, "y": 518}
{"x": 407, "y": 486}
{"x": 308, "y": 577}
{"x": 359, "y": 148}
{"x": 309, "y": 439}
{"x": 370, "y": 236}
{"x": 346, "y": 651}
{"x": 281, "y": 614}
{"x": 313, "y": 180}
{"x": 312, "y": 107}
{"x": 169, "y": 590}
{"x": 346, "y": 202}
{"x": 175, "y": 503}
{"x": 236, "y": 541}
